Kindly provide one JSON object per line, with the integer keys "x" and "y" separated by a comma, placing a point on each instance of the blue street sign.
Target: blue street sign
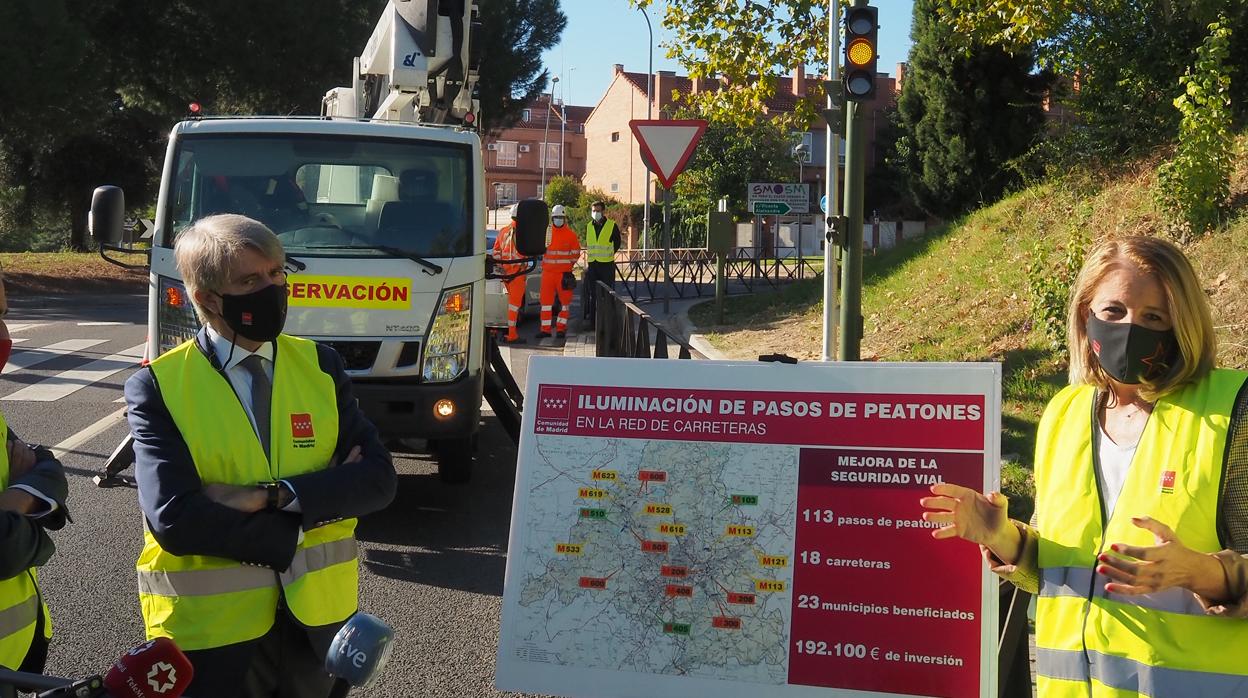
{"x": 823, "y": 203}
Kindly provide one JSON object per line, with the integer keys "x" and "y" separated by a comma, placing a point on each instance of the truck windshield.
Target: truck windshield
{"x": 351, "y": 195}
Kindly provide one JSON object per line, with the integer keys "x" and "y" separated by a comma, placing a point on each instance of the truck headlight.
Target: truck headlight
{"x": 176, "y": 321}
{"x": 446, "y": 352}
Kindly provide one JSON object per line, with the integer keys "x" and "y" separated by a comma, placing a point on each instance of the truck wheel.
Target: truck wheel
{"x": 454, "y": 458}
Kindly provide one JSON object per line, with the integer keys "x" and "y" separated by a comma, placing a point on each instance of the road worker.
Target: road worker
{"x": 504, "y": 252}
{"x": 557, "y": 277}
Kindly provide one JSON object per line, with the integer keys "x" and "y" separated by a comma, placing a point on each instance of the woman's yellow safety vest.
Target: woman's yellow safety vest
{"x": 20, "y": 604}
{"x": 1089, "y": 642}
{"x": 598, "y": 247}
{"x": 201, "y": 601}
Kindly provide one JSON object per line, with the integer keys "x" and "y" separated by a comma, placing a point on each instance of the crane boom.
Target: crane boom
{"x": 420, "y": 65}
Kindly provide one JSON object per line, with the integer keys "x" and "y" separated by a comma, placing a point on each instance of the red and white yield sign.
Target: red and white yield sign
{"x": 667, "y": 145}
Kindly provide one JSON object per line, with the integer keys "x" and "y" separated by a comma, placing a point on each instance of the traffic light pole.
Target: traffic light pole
{"x": 831, "y": 183}
{"x": 851, "y": 244}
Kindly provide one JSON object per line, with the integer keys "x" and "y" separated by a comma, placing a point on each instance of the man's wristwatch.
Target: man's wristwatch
{"x": 273, "y": 495}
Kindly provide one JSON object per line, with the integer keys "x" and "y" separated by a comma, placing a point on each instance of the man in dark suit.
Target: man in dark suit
{"x": 253, "y": 460}
{"x": 32, "y": 502}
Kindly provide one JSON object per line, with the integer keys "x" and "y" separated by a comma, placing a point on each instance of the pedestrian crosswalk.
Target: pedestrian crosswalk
{"x": 79, "y": 363}
{"x": 66, "y": 383}
{"x": 27, "y": 358}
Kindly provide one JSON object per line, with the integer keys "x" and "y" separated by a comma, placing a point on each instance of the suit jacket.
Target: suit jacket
{"x": 186, "y": 522}
{"x": 24, "y": 540}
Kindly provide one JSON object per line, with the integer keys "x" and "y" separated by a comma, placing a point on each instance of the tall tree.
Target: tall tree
{"x": 514, "y": 33}
{"x": 1125, "y": 56}
{"x": 963, "y": 116}
{"x": 749, "y": 43}
{"x": 95, "y": 109}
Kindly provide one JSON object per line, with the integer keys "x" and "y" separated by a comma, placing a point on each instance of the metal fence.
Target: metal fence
{"x": 640, "y": 272}
{"x": 622, "y": 329}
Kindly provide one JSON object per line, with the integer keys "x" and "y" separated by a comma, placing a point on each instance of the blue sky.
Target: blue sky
{"x": 601, "y": 33}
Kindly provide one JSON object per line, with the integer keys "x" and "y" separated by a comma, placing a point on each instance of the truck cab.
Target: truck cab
{"x": 385, "y": 241}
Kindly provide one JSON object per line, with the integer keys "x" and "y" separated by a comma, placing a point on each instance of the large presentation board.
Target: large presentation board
{"x": 743, "y": 529}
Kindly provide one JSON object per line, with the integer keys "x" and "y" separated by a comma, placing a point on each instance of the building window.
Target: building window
{"x": 552, "y": 156}
{"x": 526, "y": 115}
{"x": 615, "y": 136}
{"x": 541, "y": 191}
{"x": 504, "y": 193}
{"x": 615, "y": 187}
{"x": 505, "y": 156}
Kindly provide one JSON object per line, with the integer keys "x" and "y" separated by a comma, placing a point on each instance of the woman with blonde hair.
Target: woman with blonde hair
{"x": 1141, "y": 493}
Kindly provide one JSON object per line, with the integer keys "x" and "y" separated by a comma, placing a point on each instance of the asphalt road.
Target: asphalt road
{"x": 432, "y": 563}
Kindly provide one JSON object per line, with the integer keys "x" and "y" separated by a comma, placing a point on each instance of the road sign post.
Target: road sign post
{"x": 666, "y": 146}
{"x": 770, "y": 208}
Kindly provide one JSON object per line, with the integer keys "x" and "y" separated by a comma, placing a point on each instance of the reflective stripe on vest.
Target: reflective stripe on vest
{"x": 202, "y": 601}
{"x": 1118, "y": 674}
{"x": 505, "y": 250}
{"x": 19, "y": 597}
{"x": 598, "y": 245}
{"x": 1090, "y": 642}
{"x": 562, "y": 252}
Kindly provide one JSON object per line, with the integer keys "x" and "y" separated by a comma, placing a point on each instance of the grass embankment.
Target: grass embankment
{"x": 28, "y": 273}
{"x": 961, "y": 293}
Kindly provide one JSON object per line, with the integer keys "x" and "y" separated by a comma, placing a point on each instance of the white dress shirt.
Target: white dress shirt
{"x": 240, "y": 379}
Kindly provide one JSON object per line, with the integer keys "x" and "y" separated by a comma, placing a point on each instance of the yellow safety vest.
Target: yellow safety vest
{"x": 598, "y": 247}
{"x": 201, "y": 601}
{"x": 19, "y": 597}
{"x": 1088, "y": 642}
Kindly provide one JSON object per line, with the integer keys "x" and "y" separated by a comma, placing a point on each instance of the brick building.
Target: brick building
{"x": 613, "y": 161}
{"x": 513, "y": 157}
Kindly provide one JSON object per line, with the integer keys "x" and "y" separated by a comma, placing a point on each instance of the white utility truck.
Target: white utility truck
{"x": 380, "y": 204}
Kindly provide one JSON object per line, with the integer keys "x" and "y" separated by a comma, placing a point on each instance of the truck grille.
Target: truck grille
{"x": 357, "y": 356}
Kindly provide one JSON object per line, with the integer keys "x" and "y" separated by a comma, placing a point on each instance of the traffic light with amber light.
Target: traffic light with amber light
{"x": 861, "y": 29}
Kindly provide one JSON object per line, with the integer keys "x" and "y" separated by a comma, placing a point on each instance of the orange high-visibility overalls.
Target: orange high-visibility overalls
{"x": 505, "y": 251}
{"x": 561, "y": 254}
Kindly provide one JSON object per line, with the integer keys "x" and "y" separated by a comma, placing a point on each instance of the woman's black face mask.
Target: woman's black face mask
{"x": 259, "y": 315}
{"x": 1132, "y": 353}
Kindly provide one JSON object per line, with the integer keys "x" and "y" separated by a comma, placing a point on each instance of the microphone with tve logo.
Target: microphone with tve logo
{"x": 155, "y": 669}
{"x": 358, "y": 653}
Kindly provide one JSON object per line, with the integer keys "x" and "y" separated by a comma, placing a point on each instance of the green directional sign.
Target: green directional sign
{"x": 771, "y": 208}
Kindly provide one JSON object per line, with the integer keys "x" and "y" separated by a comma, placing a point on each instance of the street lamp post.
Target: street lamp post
{"x": 546, "y": 135}
{"x": 645, "y": 225}
{"x": 799, "y": 153}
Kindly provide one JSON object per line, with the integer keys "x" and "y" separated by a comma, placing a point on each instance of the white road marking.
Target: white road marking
{"x": 101, "y": 324}
{"x": 19, "y": 326}
{"x": 32, "y": 357}
{"x": 19, "y": 340}
{"x": 68, "y": 382}
{"x": 89, "y": 433}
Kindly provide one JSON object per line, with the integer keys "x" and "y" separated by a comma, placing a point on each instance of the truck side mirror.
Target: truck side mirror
{"x": 108, "y": 212}
{"x": 532, "y": 219}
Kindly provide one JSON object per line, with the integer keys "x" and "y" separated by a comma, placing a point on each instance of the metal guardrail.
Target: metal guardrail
{"x": 640, "y": 272}
{"x": 621, "y": 329}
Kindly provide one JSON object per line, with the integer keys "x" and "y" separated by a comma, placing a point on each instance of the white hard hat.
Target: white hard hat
{"x": 512, "y": 210}
{"x": 557, "y": 210}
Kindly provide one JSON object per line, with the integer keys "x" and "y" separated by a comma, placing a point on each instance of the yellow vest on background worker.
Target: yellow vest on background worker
{"x": 598, "y": 245}
{"x": 202, "y": 601}
{"x": 1160, "y": 644}
{"x": 20, "y": 603}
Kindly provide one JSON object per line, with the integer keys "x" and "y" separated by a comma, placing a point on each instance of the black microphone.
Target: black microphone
{"x": 53, "y": 686}
{"x": 358, "y": 653}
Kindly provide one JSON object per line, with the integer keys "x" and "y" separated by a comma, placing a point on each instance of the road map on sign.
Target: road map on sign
{"x": 707, "y": 528}
{"x": 710, "y": 524}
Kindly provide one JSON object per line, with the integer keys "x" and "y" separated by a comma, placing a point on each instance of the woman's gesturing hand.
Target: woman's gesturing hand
{"x": 967, "y": 514}
{"x": 1146, "y": 569}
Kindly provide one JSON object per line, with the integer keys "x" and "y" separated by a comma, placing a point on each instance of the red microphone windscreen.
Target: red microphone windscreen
{"x": 155, "y": 669}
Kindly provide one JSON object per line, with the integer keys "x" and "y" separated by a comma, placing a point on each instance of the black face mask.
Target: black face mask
{"x": 1131, "y": 353}
{"x": 259, "y": 315}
